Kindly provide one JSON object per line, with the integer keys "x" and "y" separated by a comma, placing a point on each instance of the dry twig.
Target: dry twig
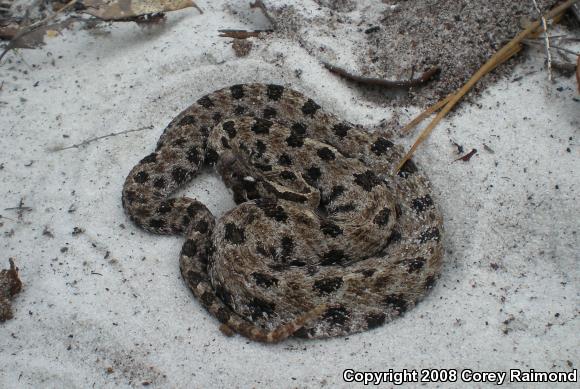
{"x": 428, "y": 75}
{"x": 87, "y": 141}
{"x": 467, "y": 156}
{"x": 546, "y": 39}
{"x": 242, "y": 34}
{"x": 413, "y": 123}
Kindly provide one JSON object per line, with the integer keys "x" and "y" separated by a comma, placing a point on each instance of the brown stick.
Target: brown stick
{"x": 241, "y": 34}
{"x": 381, "y": 82}
{"x": 501, "y": 56}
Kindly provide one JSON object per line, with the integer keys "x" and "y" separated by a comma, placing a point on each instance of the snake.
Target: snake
{"x": 327, "y": 237}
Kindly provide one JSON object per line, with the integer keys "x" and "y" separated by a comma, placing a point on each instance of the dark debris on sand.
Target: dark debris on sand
{"x": 10, "y": 285}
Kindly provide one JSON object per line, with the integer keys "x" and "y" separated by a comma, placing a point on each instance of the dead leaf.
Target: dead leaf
{"x": 242, "y": 47}
{"x": 124, "y": 9}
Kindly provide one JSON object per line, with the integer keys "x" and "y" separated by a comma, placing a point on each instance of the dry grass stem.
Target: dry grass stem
{"x": 546, "y": 39}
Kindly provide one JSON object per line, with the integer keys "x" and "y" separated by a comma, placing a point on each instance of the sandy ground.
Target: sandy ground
{"x": 398, "y": 39}
{"x": 107, "y": 307}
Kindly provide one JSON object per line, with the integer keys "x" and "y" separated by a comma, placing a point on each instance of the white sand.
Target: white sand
{"x": 509, "y": 292}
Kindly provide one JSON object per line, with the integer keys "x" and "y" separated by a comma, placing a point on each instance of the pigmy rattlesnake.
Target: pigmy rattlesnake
{"x": 326, "y": 240}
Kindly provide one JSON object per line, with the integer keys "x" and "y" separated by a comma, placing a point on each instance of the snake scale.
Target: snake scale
{"x": 326, "y": 240}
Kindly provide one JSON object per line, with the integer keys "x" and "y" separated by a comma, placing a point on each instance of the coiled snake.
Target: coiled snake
{"x": 326, "y": 240}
